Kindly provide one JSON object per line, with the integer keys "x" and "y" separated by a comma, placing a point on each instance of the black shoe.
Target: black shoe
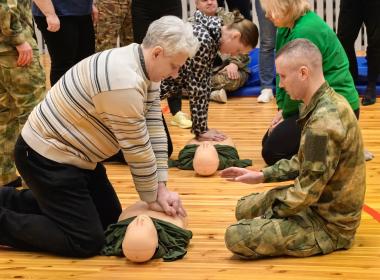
{"x": 14, "y": 184}
{"x": 368, "y": 100}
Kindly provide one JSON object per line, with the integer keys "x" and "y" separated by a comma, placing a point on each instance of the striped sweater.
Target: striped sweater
{"x": 100, "y": 105}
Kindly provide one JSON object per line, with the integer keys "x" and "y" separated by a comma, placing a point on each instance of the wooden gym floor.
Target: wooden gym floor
{"x": 210, "y": 205}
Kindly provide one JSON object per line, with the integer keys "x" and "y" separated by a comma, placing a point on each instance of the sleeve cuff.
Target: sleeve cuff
{"x": 268, "y": 173}
{"x": 162, "y": 175}
{"x": 18, "y": 40}
{"x": 148, "y": 196}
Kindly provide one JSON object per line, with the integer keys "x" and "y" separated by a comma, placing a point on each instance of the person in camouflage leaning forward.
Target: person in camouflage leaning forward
{"x": 320, "y": 211}
{"x": 22, "y": 80}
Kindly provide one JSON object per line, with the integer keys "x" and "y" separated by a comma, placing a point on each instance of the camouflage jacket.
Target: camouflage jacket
{"x": 328, "y": 171}
{"x": 241, "y": 61}
{"x": 16, "y": 25}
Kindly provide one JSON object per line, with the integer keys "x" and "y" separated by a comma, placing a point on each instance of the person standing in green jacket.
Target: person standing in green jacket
{"x": 295, "y": 20}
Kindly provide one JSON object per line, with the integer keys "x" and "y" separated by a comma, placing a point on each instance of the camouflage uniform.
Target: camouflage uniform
{"x": 321, "y": 211}
{"x": 219, "y": 78}
{"x": 21, "y": 88}
{"x": 115, "y": 19}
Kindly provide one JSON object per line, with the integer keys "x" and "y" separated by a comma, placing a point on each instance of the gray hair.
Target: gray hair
{"x": 302, "y": 50}
{"x": 173, "y": 35}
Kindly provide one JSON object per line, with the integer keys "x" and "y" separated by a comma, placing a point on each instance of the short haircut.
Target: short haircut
{"x": 302, "y": 50}
{"x": 293, "y": 9}
{"x": 173, "y": 35}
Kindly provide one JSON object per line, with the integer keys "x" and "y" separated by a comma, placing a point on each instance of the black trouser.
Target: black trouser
{"x": 74, "y": 41}
{"x": 143, "y": 13}
{"x": 244, "y": 6}
{"x": 146, "y": 11}
{"x": 65, "y": 211}
{"x": 284, "y": 140}
{"x": 353, "y": 13}
{"x": 175, "y": 104}
{"x": 170, "y": 144}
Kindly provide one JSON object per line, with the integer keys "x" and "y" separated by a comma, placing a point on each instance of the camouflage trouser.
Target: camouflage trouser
{"x": 115, "y": 20}
{"x": 21, "y": 88}
{"x": 258, "y": 234}
{"x": 220, "y": 80}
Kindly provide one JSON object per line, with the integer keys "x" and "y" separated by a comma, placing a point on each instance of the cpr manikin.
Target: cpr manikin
{"x": 206, "y": 159}
{"x": 141, "y": 239}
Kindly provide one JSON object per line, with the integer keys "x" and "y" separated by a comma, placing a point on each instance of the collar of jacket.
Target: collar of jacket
{"x": 305, "y": 110}
{"x": 142, "y": 61}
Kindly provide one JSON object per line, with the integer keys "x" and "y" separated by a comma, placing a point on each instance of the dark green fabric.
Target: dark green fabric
{"x": 172, "y": 240}
{"x": 228, "y": 156}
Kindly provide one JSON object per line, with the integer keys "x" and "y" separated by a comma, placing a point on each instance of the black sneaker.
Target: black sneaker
{"x": 368, "y": 100}
{"x": 14, "y": 184}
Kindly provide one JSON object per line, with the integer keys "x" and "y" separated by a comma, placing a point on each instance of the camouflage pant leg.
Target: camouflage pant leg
{"x": 262, "y": 237}
{"x": 113, "y": 17}
{"x": 256, "y": 204}
{"x": 21, "y": 89}
{"x": 220, "y": 80}
{"x": 126, "y": 31}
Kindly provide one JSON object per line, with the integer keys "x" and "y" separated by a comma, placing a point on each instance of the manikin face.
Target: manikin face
{"x": 230, "y": 43}
{"x": 206, "y": 160}
{"x": 292, "y": 78}
{"x": 140, "y": 240}
{"x": 165, "y": 66}
{"x": 208, "y": 7}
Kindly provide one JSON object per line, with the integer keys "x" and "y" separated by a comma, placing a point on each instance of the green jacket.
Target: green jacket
{"x": 16, "y": 25}
{"x": 328, "y": 171}
{"x": 335, "y": 62}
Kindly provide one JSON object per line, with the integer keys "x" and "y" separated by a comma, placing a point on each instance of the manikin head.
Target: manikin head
{"x": 140, "y": 240}
{"x": 206, "y": 160}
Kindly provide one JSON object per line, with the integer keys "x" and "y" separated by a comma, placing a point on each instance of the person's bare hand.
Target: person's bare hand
{"x": 25, "y": 54}
{"x": 278, "y": 118}
{"x": 95, "y": 14}
{"x": 232, "y": 71}
{"x": 168, "y": 202}
{"x": 211, "y": 135}
{"x": 237, "y": 174}
{"x": 53, "y": 23}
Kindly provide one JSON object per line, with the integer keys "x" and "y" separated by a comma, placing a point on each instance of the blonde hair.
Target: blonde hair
{"x": 293, "y": 9}
{"x": 248, "y": 30}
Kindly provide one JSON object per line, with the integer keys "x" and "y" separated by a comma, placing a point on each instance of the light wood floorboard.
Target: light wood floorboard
{"x": 210, "y": 205}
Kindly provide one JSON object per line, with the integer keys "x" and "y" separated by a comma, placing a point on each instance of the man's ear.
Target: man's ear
{"x": 304, "y": 72}
{"x": 157, "y": 51}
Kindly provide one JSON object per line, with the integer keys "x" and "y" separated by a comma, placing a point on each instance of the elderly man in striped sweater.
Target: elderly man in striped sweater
{"x": 108, "y": 101}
